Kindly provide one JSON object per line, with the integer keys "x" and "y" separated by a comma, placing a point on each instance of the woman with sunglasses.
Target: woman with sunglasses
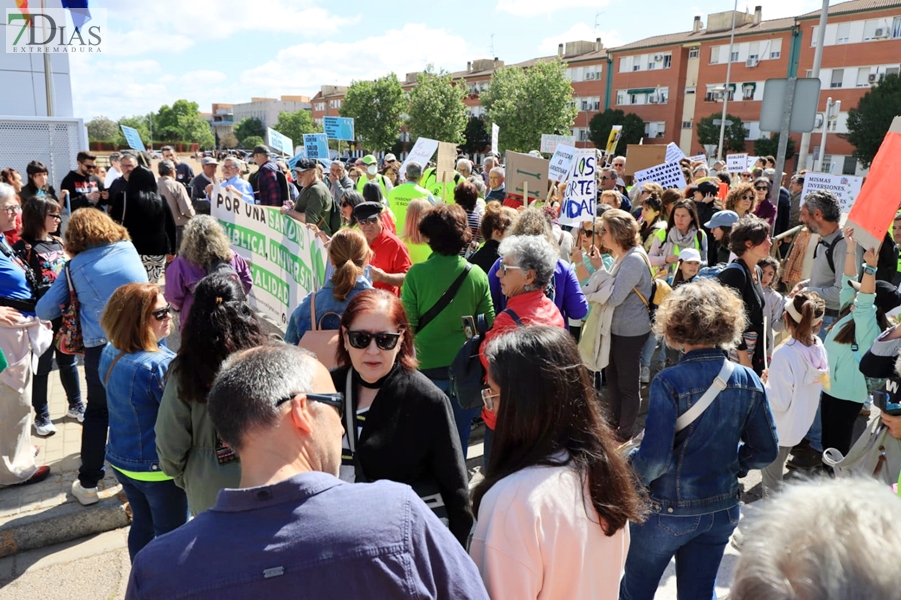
{"x": 11, "y": 177}
{"x": 741, "y": 199}
{"x": 133, "y": 366}
{"x": 43, "y": 252}
{"x": 187, "y": 444}
{"x": 398, "y": 425}
{"x": 766, "y": 210}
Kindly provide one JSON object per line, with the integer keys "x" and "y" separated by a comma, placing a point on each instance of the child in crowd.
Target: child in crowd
{"x": 720, "y": 227}
{"x": 774, "y": 302}
{"x": 798, "y": 374}
{"x": 688, "y": 267}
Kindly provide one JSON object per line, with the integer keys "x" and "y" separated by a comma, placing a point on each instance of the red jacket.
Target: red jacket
{"x": 532, "y": 308}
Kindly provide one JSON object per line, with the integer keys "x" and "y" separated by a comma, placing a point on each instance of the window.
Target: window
{"x": 837, "y": 76}
{"x": 896, "y": 27}
{"x": 747, "y": 91}
{"x": 734, "y": 57}
{"x": 655, "y": 129}
{"x": 686, "y": 124}
{"x": 667, "y": 61}
{"x": 620, "y": 97}
{"x": 892, "y": 71}
{"x": 625, "y": 64}
{"x": 715, "y": 55}
{"x": 863, "y": 76}
{"x": 652, "y": 65}
{"x": 636, "y": 67}
{"x": 690, "y": 90}
{"x": 776, "y": 54}
{"x": 694, "y": 52}
{"x": 849, "y": 165}
{"x": 843, "y": 35}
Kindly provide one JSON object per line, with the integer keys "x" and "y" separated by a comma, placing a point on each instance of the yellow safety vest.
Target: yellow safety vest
{"x": 430, "y": 182}
{"x": 400, "y": 197}
{"x": 381, "y": 179}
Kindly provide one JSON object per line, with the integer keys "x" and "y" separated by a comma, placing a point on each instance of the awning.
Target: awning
{"x": 642, "y": 91}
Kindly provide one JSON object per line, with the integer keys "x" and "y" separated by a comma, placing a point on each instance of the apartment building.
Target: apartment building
{"x": 268, "y": 109}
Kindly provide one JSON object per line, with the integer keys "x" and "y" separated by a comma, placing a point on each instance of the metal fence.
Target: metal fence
{"x": 51, "y": 140}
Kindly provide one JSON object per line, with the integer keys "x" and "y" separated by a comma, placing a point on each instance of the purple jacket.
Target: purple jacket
{"x": 182, "y": 276}
{"x": 568, "y": 294}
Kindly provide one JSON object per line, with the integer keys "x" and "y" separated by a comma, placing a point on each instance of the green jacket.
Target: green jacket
{"x": 438, "y": 343}
{"x": 186, "y": 446}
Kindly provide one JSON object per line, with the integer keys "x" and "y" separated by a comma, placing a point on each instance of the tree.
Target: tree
{"x": 182, "y": 122}
{"x": 376, "y": 108}
{"x": 249, "y": 126}
{"x": 600, "y": 125}
{"x": 295, "y": 124}
{"x": 734, "y": 135}
{"x": 476, "y": 136}
{"x": 140, "y": 123}
{"x": 526, "y": 103}
{"x": 769, "y": 146}
{"x": 253, "y": 140}
{"x": 870, "y": 120}
{"x": 436, "y": 107}
{"x": 229, "y": 141}
{"x": 102, "y": 129}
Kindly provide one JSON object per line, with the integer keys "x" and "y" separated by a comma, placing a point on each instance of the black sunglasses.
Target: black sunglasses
{"x": 762, "y": 189}
{"x": 587, "y": 231}
{"x": 335, "y": 400}
{"x": 56, "y": 216}
{"x": 162, "y": 313}
{"x": 747, "y": 197}
{"x": 361, "y": 339}
{"x": 89, "y": 167}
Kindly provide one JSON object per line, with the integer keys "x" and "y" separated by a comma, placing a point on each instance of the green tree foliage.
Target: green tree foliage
{"x": 250, "y": 126}
{"x": 436, "y": 108}
{"x": 250, "y": 141}
{"x": 769, "y": 146}
{"x": 476, "y": 136}
{"x": 140, "y": 123}
{"x": 525, "y": 103}
{"x": 376, "y": 108}
{"x": 733, "y": 138}
{"x": 102, "y": 129}
{"x": 870, "y": 120}
{"x": 229, "y": 141}
{"x": 600, "y": 125}
{"x": 295, "y": 124}
{"x": 182, "y": 122}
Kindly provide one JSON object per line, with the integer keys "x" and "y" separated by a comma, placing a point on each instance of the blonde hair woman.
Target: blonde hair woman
{"x": 204, "y": 249}
{"x": 415, "y": 242}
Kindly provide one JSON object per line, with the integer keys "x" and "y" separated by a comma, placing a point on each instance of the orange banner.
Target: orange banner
{"x": 875, "y": 207}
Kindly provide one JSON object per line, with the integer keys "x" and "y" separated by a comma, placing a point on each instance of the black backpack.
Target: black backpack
{"x": 217, "y": 267}
{"x": 467, "y": 375}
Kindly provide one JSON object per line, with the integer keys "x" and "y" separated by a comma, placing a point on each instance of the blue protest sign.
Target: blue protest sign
{"x": 316, "y": 145}
{"x": 338, "y": 128}
{"x": 133, "y": 138}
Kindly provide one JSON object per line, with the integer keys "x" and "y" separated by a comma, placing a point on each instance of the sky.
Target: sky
{"x": 231, "y": 50}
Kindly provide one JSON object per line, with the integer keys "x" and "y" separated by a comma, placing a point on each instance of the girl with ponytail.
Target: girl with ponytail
{"x": 798, "y": 374}
{"x": 349, "y": 255}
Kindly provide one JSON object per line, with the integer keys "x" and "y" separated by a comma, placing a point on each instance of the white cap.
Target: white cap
{"x": 690, "y": 255}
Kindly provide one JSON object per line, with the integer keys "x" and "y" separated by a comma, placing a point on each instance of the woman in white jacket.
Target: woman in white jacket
{"x": 797, "y": 375}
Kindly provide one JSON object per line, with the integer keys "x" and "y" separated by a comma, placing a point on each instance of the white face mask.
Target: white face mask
{"x": 372, "y": 169}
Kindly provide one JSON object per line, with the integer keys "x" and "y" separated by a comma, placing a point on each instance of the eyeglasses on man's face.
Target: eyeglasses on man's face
{"x": 335, "y": 400}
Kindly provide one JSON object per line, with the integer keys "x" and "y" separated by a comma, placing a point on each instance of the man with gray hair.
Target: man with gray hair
{"x": 401, "y": 196}
{"x": 113, "y": 172}
{"x": 339, "y": 182}
{"x": 292, "y": 528}
{"x": 177, "y": 196}
{"x": 496, "y": 189}
{"x": 489, "y": 163}
{"x": 823, "y": 539}
{"x": 232, "y": 181}
{"x": 464, "y": 167}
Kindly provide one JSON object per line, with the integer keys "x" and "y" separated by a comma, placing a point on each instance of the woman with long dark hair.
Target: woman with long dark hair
{"x": 220, "y": 324}
{"x": 556, "y": 499}
{"x": 683, "y": 231}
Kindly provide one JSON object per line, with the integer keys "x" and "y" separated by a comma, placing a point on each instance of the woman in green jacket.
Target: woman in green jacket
{"x": 189, "y": 449}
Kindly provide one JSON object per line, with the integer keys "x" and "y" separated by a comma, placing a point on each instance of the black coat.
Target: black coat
{"x": 751, "y": 293}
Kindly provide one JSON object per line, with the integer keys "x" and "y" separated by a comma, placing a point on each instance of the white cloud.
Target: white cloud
{"x": 579, "y": 31}
{"x": 531, "y": 8}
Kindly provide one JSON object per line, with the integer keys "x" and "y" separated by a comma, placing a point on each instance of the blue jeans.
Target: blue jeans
{"x": 647, "y": 353}
{"x": 157, "y": 507}
{"x": 697, "y": 543}
{"x": 96, "y": 422}
{"x": 462, "y": 418}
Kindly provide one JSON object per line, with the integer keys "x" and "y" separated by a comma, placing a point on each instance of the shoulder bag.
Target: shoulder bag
{"x": 69, "y": 339}
{"x": 321, "y": 342}
{"x": 444, "y": 300}
{"x": 875, "y": 454}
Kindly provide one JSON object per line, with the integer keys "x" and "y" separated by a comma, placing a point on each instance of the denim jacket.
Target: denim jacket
{"x": 96, "y": 274}
{"x": 299, "y": 323}
{"x": 696, "y": 471}
{"x": 133, "y": 394}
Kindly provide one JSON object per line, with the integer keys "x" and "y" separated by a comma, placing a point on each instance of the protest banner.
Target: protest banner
{"x": 133, "y": 138}
{"x": 522, "y": 169}
{"x": 640, "y": 157}
{"x": 674, "y": 153}
{"x": 876, "y": 205}
{"x": 495, "y": 133}
{"x": 668, "y": 175}
{"x": 282, "y": 143}
{"x": 612, "y": 140}
{"x": 751, "y": 161}
{"x": 699, "y": 158}
{"x": 846, "y": 187}
{"x": 338, "y": 128}
{"x": 315, "y": 145}
{"x": 580, "y": 198}
{"x": 558, "y": 167}
{"x": 736, "y": 163}
{"x": 422, "y": 152}
{"x": 550, "y": 142}
{"x": 287, "y": 261}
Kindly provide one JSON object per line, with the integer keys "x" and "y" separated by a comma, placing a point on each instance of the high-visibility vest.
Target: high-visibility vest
{"x": 381, "y": 179}
{"x": 661, "y": 235}
{"x": 430, "y": 182}
{"x": 400, "y": 197}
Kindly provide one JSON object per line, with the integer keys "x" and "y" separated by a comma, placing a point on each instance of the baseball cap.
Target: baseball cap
{"x": 369, "y": 159}
{"x": 304, "y": 164}
{"x": 390, "y": 158}
{"x": 208, "y": 160}
{"x": 620, "y": 182}
{"x": 690, "y": 255}
{"x": 708, "y": 187}
{"x": 260, "y": 149}
{"x": 364, "y": 210}
{"x": 724, "y": 218}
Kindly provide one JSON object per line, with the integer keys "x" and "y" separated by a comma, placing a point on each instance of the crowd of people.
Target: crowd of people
{"x": 335, "y": 458}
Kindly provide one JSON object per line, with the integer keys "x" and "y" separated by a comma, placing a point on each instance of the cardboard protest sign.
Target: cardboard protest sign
{"x": 446, "y": 162}
{"x": 640, "y": 157}
{"x": 580, "y": 198}
{"x": 736, "y": 163}
{"x": 674, "y": 153}
{"x": 495, "y": 133}
{"x": 526, "y": 172}
{"x": 315, "y": 145}
{"x": 846, "y": 187}
{"x": 132, "y": 138}
{"x": 613, "y": 139}
{"x": 668, "y": 175}
{"x": 287, "y": 261}
{"x": 558, "y": 167}
{"x": 876, "y": 205}
{"x": 422, "y": 152}
{"x": 550, "y": 142}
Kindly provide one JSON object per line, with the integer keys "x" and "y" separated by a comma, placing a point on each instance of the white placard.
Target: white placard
{"x": 550, "y": 142}
{"x": 422, "y": 152}
{"x": 846, "y": 187}
{"x": 280, "y": 142}
{"x": 736, "y": 163}
{"x": 699, "y": 158}
{"x": 751, "y": 161}
{"x": 580, "y": 199}
{"x": 558, "y": 168}
{"x": 668, "y": 175}
{"x": 495, "y": 132}
{"x": 674, "y": 153}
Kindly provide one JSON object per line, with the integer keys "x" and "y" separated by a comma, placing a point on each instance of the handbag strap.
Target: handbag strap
{"x": 445, "y": 299}
{"x": 350, "y": 415}
{"x": 314, "y": 325}
{"x": 110, "y": 370}
{"x": 69, "y": 279}
{"x": 718, "y": 385}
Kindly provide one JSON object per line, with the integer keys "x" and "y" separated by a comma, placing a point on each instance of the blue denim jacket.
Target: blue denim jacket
{"x": 299, "y": 323}
{"x": 133, "y": 394}
{"x": 696, "y": 471}
{"x": 96, "y": 274}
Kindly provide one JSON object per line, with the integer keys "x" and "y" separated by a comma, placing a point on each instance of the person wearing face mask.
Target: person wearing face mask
{"x": 371, "y": 164}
